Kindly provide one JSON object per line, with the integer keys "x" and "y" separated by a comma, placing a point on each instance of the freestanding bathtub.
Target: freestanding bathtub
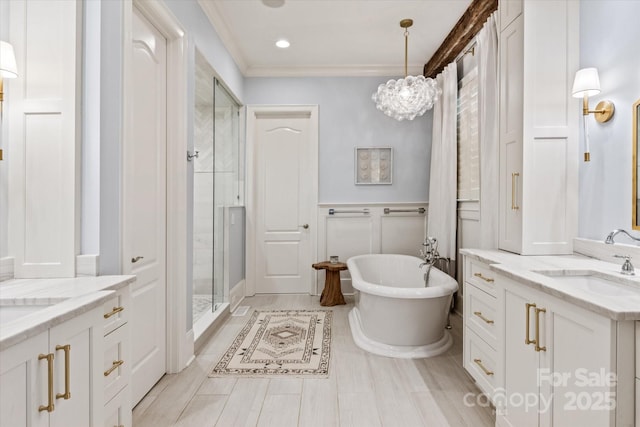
{"x": 395, "y": 315}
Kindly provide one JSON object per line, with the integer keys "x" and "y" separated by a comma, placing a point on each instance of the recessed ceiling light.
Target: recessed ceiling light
{"x": 273, "y": 3}
{"x": 283, "y": 44}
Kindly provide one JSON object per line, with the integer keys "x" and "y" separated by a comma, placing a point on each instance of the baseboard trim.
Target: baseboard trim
{"x": 236, "y": 294}
{"x": 6, "y": 268}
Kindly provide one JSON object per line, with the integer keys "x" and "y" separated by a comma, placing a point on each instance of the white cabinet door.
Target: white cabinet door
{"x": 511, "y": 107}
{"x": 566, "y": 381}
{"x": 575, "y": 368}
{"x": 77, "y": 348}
{"x": 23, "y": 383}
{"x": 538, "y": 131}
{"x": 521, "y": 359}
{"x": 76, "y": 391}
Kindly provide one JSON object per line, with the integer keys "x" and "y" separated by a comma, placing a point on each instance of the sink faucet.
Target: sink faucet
{"x": 627, "y": 267}
{"x": 614, "y": 233}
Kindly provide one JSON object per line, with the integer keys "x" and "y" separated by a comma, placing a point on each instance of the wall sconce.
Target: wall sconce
{"x": 586, "y": 84}
{"x": 8, "y": 69}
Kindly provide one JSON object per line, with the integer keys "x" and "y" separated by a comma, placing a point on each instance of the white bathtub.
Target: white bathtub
{"x": 395, "y": 314}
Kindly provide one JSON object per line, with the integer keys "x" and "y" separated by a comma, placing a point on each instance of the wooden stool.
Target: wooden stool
{"x": 332, "y": 293}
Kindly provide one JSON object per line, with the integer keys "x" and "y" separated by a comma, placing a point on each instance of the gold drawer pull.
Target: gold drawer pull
{"x": 50, "y": 407}
{"x": 115, "y": 310}
{"x": 114, "y": 366}
{"x": 67, "y": 372}
{"x": 479, "y": 314}
{"x": 485, "y": 370}
{"x": 486, "y": 279}
{"x": 538, "y": 311}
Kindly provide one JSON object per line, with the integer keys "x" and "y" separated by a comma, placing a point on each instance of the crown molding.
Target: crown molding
{"x": 220, "y": 27}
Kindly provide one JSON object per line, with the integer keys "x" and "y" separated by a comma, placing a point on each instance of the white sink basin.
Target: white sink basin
{"x": 594, "y": 284}
{"x": 9, "y": 313}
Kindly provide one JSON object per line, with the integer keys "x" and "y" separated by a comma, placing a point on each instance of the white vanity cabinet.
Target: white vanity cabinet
{"x": 52, "y": 378}
{"x": 558, "y": 362}
{"x": 482, "y": 333}
{"x": 538, "y": 122}
{"x": 543, "y": 357}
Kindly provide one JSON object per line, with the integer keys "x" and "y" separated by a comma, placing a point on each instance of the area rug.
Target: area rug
{"x": 280, "y": 343}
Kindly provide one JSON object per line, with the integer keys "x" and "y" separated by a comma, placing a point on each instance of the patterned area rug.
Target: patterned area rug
{"x": 280, "y": 343}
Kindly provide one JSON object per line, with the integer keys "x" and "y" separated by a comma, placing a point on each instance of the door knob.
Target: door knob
{"x": 305, "y": 226}
{"x": 136, "y": 259}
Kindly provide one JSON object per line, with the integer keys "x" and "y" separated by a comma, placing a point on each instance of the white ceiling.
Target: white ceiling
{"x": 332, "y": 37}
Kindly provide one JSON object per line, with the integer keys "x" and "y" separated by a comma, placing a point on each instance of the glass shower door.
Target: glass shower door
{"x": 203, "y": 191}
{"x": 226, "y": 143}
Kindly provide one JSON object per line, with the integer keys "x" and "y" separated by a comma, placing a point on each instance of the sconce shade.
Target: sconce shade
{"x": 586, "y": 82}
{"x": 8, "y": 68}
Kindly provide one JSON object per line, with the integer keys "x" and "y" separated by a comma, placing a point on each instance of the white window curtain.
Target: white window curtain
{"x": 441, "y": 222}
{"x": 487, "y": 51}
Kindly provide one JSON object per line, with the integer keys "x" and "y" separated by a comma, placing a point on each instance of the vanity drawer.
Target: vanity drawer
{"x": 480, "y": 362}
{"x": 117, "y": 412}
{"x": 117, "y": 362}
{"x": 479, "y": 274}
{"x": 481, "y": 314}
{"x": 116, "y": 310}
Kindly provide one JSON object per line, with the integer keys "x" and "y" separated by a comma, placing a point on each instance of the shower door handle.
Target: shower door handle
{"x": 305, "y": 226}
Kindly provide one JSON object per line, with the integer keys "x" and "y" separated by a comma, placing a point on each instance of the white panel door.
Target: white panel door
{"x": 286, "y": 189}
{"x": 145, "y": 205}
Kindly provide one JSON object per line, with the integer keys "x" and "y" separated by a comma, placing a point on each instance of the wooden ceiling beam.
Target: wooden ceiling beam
{"x": 469, "y": 24}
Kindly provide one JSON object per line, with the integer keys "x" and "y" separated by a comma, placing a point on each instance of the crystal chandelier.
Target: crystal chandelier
{"x": 410, "y": 97}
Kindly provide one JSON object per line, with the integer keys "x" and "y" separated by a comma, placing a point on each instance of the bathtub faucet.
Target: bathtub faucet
{"x": 430, "y": 251}
{"x": 430, "y": 255}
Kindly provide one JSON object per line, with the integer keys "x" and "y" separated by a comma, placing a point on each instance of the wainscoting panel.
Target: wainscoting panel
{"x": 350, "y": 230}
{"x": 402, "y": 233}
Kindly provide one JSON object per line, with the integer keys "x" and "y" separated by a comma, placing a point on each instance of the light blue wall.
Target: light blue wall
{"x": 202, "y": 33}
{"x": 610, "y": 41}
{"x": 348, "y": 118}
{"x": 110, "y": 158}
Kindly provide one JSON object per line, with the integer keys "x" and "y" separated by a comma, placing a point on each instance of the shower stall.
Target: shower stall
{"x": 218, "y": 186}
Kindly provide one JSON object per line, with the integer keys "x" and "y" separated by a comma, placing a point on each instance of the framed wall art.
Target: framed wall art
{"x": 373, "y": 165}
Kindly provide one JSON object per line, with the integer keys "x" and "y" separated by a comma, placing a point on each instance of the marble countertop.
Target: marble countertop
{"x": 43, "y": 303}
{"x": 537, "y": 272}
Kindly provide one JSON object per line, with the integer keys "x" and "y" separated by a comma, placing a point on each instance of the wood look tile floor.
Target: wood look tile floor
{"x": 362, "y": 390}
